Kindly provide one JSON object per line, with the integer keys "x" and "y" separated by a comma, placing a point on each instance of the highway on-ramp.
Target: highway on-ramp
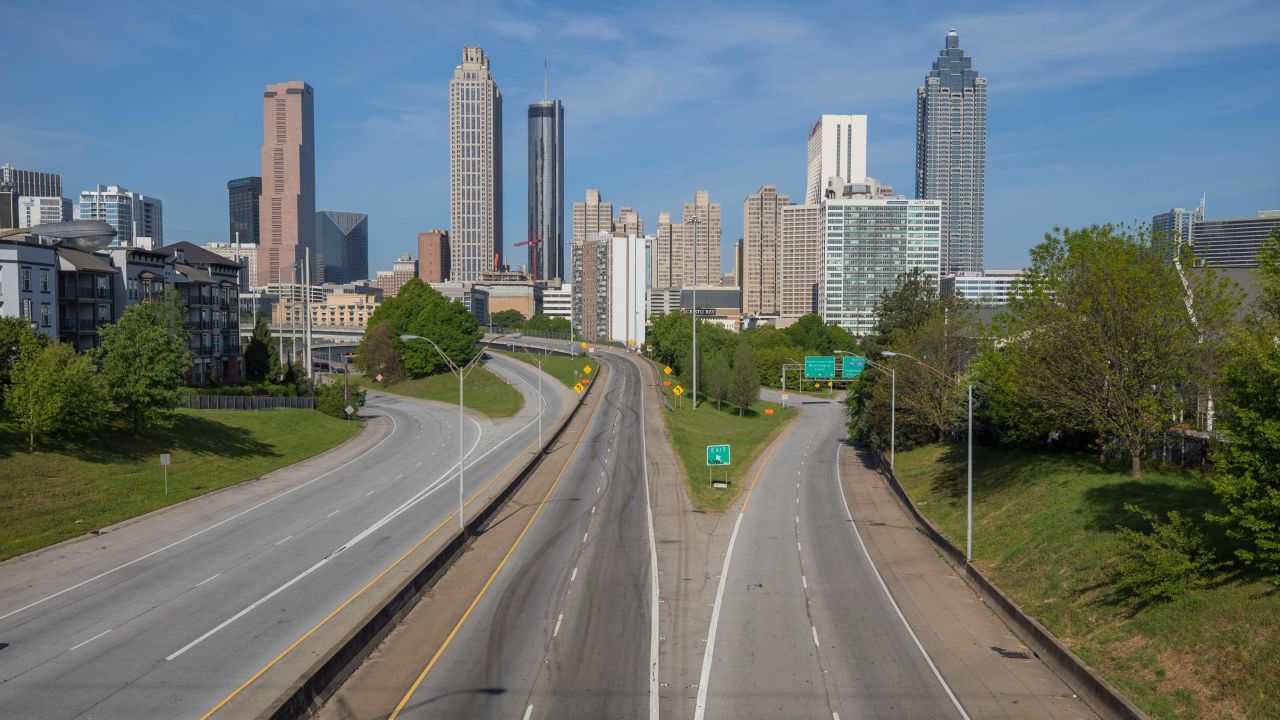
{"x": 164, "y": 617}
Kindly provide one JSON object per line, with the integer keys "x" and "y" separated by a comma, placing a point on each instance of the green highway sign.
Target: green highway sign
{"x": 717, "y": 455}
{"x": 853, "y": 366}
{"x": 819, "y": 367}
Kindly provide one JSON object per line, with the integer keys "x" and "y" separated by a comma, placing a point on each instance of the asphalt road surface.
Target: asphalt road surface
{"x": 802, "y": 626}
{"x": 566, "y": 629}
{"x": 158, "y": 621}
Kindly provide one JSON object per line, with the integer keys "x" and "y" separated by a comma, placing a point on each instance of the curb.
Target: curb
{"x": 1100, "y": 695}
{"x": 334, "y": 665}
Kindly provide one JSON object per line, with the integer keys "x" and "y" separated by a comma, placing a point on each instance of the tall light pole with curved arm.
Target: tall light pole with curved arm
{"x": 893, "y": 405}
{"x": 968, "y": 534}
{"x": 461, "y": 374}
{"x": 696, "y": 220}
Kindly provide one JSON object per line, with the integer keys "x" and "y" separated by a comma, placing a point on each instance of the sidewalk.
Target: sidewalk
{"x": 992, "y": 673}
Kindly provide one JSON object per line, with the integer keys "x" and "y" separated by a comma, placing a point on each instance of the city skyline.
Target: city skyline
{"x": 1049, "y": 148}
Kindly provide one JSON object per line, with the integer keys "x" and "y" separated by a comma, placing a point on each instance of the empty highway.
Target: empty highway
{"x": 166, "y": 616}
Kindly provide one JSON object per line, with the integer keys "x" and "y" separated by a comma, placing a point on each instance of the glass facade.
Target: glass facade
{"x": 242, "y": 205}
{"x": 546, "y": 190}
{"x": 343, "y": 240}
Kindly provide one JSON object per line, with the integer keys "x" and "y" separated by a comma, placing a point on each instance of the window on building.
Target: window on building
{"x": 26, "y": 279}
{"x": 44, "y": 280}
{"x": 46, "y": 315}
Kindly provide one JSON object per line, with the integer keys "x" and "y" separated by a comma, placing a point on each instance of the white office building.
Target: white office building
{"x": 870, "y": 239}
{"x": 991, "y": 288}
{"x": 837, "y": 148}
{"x": 558, "y": 301}
{"x": 33, "y": 211}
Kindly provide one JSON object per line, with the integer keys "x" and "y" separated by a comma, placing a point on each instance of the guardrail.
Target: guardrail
{"x": 196, "y": 401}
{"x": 1084, "y": 680}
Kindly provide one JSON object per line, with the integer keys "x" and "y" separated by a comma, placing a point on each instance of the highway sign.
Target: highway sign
{"x": 586, "y": 369}
{"x": 677, "y": 390}
{"x": 348, "y": 410}
{"x": 853, "y": 366}
{"x": 717, "y": 454}
{"x": 584, "y": 346}
{"x": 667, "y": 370}
{"x": 819, "y": 366}
{"x": 578, "y": 388}
{"x": 378, "y": 377}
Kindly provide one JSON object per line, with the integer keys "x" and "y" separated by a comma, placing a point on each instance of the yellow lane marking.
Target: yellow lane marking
{"x": 510, "y": 551}
{"x": 479, "y": 493}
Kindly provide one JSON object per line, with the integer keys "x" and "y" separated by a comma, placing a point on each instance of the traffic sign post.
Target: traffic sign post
{"x": 718, "y": 456}
{"x": 819, "y": 367}
{"x": 349, "y": 410}
{"x": 578, "y": 388}
{"x": 678, "y": 391}
{"x": 164, "y": 463}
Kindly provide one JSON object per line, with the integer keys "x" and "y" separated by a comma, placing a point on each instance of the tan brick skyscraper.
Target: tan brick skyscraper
{"x": 287, "y": 209}
{"x": 761, "y": 251}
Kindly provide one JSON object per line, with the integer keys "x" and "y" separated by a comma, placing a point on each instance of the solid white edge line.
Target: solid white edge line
{"x": 700, "y": 710}
{"x": 815, "y": 636}
{"x": 86, "y": 642}
{"x": 653, "y": 567}
{"x": 528, "y": 712}
{"x": 883, "y": 586}
{"x": 198, "y": 533}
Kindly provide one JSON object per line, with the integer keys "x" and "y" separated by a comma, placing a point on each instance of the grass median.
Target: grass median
{"x": 69, "y": 487}
{"x": 693, "y": 430}
{"x": 1044, "y": 531}
{"x": 567, "y": 370}
{"x": 484, "y": 392}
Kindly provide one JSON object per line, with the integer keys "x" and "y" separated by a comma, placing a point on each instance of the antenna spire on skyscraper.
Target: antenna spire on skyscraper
{"x": 544, "y": 78}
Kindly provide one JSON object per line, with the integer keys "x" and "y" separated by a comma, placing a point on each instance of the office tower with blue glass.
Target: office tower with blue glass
{"x": 342, "y": 240}
{"x": 546, "y": 190}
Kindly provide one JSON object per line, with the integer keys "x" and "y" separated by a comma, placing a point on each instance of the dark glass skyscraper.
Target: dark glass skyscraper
{"x": 343, "y": 240}
{"x": 242, "y": 203}
{"x": 951, "y": 153}
{"x": 546, "y": 190}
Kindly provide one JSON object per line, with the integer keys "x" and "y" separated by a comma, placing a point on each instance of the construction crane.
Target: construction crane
{"x": 532, "y": 244}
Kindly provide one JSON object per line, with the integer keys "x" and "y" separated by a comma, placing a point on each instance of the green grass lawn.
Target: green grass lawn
{"x": 693, "y": 430}
{"x": 1044, "y": 532}
{"x": 565, "y": 369}
{"x": 67, "y": 488}
{"x": 484, "y": 392}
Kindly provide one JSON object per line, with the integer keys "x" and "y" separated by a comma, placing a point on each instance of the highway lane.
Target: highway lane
{"x": 180, "y": 623}
{"x": 802, "y": 626}
{"x": 566, "y": 630}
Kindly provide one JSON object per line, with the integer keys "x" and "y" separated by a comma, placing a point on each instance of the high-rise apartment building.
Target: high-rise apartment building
{"x": 801, "y": 259}
{"x": 243, "y": 210}
{"x": 610, "y": 294}
{"x": 1174, "y": 227}
{"x": 246, "y": 256}
{"x": 668, "y": 258}
{"x": 951, "y": 153}
{"x": 700, "y": 240}
{"x": 475, "y": 168}
{"x": 590, "y": 258}
{"x": 837, "y": 148}
{"x": 287, "y": 209}
{"x": 1232, "y": 242}
{"x": 871, "y": 239}
{"x": 433, "y": 256}
{"x": 592, "y": 216}
{"x": 34, "y": 211}
{"x": 546, "y": 190}
{"x": 628, "y": 222}
{"x": 30, "y": 183}
{"x": 760, "y": 264}
{"x": 133, "y": 215}
{"x": 342, "y": 247}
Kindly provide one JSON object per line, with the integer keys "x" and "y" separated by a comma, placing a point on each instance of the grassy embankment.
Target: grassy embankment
{"x": 1044, "y": 532}
{"x": 693, "y": 430}
{"x": 567, "y": 370}
{"x": 69, "y": 487}
{"x": 484, "y": 392}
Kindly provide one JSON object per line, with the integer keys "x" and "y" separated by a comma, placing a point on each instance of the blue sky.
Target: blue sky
{"x": 1098, "y": 111}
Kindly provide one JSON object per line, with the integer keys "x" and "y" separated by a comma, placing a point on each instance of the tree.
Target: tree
{"x": 912, "y": 302}
{"x": 810, "y": 333}
{"x": 53, "y": 389}
{"x": 261, "y": 356}
{"x": 1104, "y": 335}
{"x": 419, "y": 309}
{"x": 717, "y": 378}
{"x": 144, "y": 358}
{"x": 507, "y": 319}
{"x": 926, "y": 398}
{"x": 559, "y": 327}
{"x": 377, "y": 355}
{"x": 744, "y": 387}
{"x": 14, "y": 332}
{"x": 1246, "y": 474}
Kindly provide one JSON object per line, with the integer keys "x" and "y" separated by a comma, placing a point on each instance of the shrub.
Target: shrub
{"x": 1165, "y": 563}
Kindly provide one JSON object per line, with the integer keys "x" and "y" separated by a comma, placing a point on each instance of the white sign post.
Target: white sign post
{"x": 349, "y": 410}
{"x": 164, "y": 463}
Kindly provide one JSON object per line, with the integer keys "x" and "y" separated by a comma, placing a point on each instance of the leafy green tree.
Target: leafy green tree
{"x": 925, "y": 397}
{"x": 539, "y": 323}
{"x": 559, "y": 327}
{"x": 144, "y": 358}
{"x": 507, "y": 319}
{"x": 717, "y": 377}
{"x": 261, "y": 356}
{"x": 53, "y": 389}
{"x": 912, "y": 302}
{"x": 810, "y": 333}
{"x": 744, "y": 387}
{"x": 419, "y": 309}
{"x": 14, "y": 332}
{"x": 377, "y": 354}
{"x": 1246, "y": 474}
{"x": 1106, "y": 336}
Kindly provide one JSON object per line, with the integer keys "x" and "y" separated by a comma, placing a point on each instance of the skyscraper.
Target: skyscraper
{"x": 242, "y": 209}
{"x": 801, "y": 258}
{"x": 133, "y": 215}
{"x": 1174, "y": 228}
{"x": 433, "y": 256}
{"x": 16, "y": 184}
{"x": 628, "y": 222}
{"x": 546, "y": 190}
{"x": 342, "y": 247}
{"x": 951, "y": 153}
{"x": 761, "y": 251}
{"x": 837, "y": 148}
{"x": 701, "y": 240}
{"x": 592, "y": 215}
{"x": 475, "y": 168}
{"x": 287, "y": 211}
{"x": 1233, "y": 242}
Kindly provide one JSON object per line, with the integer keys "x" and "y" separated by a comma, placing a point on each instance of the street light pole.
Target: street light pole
{"x": 893, "y": 405}
{"x": 695, "y": 221}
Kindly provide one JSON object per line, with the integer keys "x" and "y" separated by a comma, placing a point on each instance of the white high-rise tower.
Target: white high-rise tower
{"x": 837, "y": 148}
{"x": 475, "y": 168}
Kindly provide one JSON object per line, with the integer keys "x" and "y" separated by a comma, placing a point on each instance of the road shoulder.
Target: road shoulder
{"x": 991, "y": 671}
